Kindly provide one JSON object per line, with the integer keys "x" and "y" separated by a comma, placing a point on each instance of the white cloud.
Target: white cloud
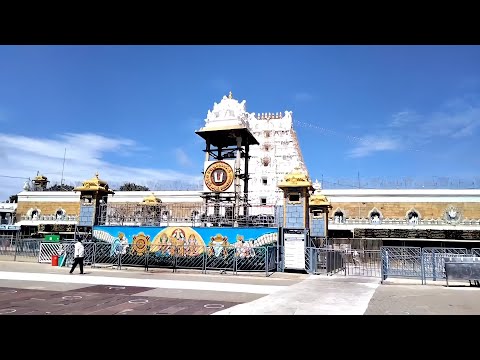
{"x": 182, "y": 157}
{"x": 460, "y": 123}
{"x": 23, "y": 156}
{"x": 303, "y": 96}
{"x": 369, "y": 145}
{"x": 458, "y": 117}
{"x": 403, "y": 118}
{"x": 408, "y": 130}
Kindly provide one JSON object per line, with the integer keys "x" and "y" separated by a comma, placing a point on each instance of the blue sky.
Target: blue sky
{"x": 130, "y": 112}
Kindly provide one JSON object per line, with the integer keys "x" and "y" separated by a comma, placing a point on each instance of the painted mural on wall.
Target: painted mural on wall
{"x": 184, "y": 241}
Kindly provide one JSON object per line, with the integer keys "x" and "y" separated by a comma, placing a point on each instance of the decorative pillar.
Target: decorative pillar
{"x": 319, "y": 207}
{"x": 93, "y": 195}
{"x": 296, "y": 188}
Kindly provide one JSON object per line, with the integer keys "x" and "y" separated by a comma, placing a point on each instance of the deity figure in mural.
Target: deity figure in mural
{"x": 244, "y": 249}
{"x": 195, "y": 246}
{"x": 169, "y": 249}
{"x": 251, "y": 249}
{"x": 123, "y": 242}
{"x": 178, "y": 239}
{"x": 163, "y": 243}
{"x": 119, "y": 245}
{"x": 239, "y": 247}
{"x": 192, "y": 246}
{"x": 218, "y": 245}
{"x": 186, "y": 246}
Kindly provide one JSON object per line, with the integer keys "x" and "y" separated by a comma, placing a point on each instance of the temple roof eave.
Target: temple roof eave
{"x": 295, "y": 179}
{"x": 94, "y": 188}
{"x": 319, "y": 200}
{"x": 94, "y": 184}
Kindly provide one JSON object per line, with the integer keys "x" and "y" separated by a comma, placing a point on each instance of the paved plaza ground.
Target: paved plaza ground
{"x": 399, "y": 297}
{"x": 32, "y": 288}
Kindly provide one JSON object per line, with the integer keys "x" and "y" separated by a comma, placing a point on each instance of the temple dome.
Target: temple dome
{"x": 94, "y": 184}
{"x": 151, "y": 200}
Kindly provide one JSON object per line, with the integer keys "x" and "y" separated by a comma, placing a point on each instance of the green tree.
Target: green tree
{"x": 63, "y": 187}
{"x": 133, "y": 187}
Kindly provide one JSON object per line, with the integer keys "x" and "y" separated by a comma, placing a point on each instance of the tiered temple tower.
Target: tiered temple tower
{"x": 276, "y": 154}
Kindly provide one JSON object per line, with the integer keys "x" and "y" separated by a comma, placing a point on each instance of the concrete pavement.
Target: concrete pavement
{"x": 409, "y": 297}
{"x": 281, "y": 293}
{"x": 317, "y": 295}
{"x": 191, "y": 292}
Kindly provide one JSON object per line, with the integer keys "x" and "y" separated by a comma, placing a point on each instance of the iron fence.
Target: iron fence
{"x": 186, "y": 256}
{"x": 401, "y": 183}
{"x": 220, "y": 258}
{"x": 16, "y": 249}
{"x": 421, "y": 263}
{"x": 324, "y": 260}
{"x": 390, "y": 261}
{"x": 271, "y": 260}
{"x": 280, "y": 258}
{"x": 106, "y": 254}
{"x": 310, "y": 259}
{"x": 188, "y": 214}
{"x": 434, "y": 261}
{"x": 47, "y": 250}
{"x": 365, "y": 263}
{"x": 204, "y": 258}
{"x": 163, "y": 256}
{"x": 7, "y": 248}
{"x": 402, "y": 262}
{"x": 432, "y": 222}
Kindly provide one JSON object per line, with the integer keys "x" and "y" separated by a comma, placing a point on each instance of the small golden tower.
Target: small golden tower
{"x": 296, "y": 187}
{"x": 40, "y": 182}
{"x": 93, "y": 195}
{"x": 319, "y": 206}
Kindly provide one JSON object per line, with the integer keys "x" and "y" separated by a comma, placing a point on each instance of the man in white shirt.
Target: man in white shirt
{"x": 79, "y": 254}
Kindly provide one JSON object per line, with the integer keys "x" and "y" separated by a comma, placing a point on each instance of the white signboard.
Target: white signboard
{"x": 294, "y": 245}
{"x": 9, "y": 227}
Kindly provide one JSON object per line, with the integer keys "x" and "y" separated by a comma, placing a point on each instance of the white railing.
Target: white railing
{"x": 399, "y": 221}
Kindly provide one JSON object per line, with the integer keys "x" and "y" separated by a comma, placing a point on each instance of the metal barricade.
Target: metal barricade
{"x": 401, "y": 262}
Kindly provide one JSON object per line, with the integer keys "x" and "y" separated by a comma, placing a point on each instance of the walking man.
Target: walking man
{"x": 79, "y": 254}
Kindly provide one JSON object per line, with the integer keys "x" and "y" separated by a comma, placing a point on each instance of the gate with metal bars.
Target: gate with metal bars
{"x": 401, "y": 262}
{"x": 434, "y": 261}
{"x": 363, "y": 263}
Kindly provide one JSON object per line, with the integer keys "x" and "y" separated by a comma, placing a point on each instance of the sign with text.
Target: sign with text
{"x": 10, "y": 227}
{"x": 294, "y": 245}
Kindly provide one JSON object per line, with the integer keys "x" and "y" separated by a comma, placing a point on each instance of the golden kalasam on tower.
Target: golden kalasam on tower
{"x": 151, "y": 200}
{"x": 318, "y": 199}
{"x": 296, "y": 178}
{"x": 94, "y": 184}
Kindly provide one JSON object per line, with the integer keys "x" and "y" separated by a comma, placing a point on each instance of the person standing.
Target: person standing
{"x": 79, "y": 254}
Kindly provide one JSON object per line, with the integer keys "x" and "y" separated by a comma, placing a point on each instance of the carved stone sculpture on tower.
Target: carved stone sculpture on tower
{"x": 228, "y": 113}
